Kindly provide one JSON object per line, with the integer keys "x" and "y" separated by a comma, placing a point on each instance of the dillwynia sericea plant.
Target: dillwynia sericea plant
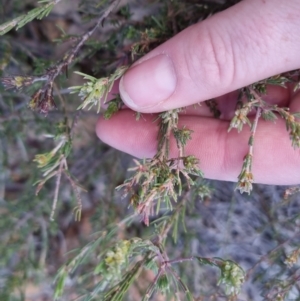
{"x": 158, "y": 185}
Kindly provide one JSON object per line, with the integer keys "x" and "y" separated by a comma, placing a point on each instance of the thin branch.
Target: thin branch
{"x": 154, "y": 283}
{"x": 253, "y": 130}
{"x": 180, "y": 260}
{"x": 57, "y": 185}
{"x": 268, "y": 255}
{"x": 245, "y": 178}
{"x": 42, "y": 100}
{"x": 78, "y": 197}
{"x": 177, "y": 277}
{"x": 169, "y": 226}
{"x": 69, "y": 58}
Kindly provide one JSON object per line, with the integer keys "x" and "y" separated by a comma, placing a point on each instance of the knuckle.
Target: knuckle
{"x": 212, "y": 54}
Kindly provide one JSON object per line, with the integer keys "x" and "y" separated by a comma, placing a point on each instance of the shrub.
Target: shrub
{"x": 62, "y": 63}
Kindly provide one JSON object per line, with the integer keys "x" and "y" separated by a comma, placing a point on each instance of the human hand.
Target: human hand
{"x": 246, "y": 43}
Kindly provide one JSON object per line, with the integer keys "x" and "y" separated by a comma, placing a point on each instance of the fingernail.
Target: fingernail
{"x": 148, "y": 83}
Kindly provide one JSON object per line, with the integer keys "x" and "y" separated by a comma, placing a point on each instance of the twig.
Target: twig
{"x": 42, "y": 100}
{"x": 153, "y": 284}
{"x": 55, "y": 71}
{"x": 245, "y": 178}
{"x": 253, "y": 130}
{"x": 256, "y": 96}
{"x": 45, "y": 246}
{"x": 176, "y": 276}
{"x": 268, "y": 255}
{"x": 78, "y": 197}
{"x": 180, "y": 260}
{"x": 55, "y": 199}
{"x": 166, "y": 229}
{"x": 75, "y": 122}
{"x": 68, "y": 60}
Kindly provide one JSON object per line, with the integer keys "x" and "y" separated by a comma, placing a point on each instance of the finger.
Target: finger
{"x": 248, "y": 42}
{"x": 122, "y": 131}
{"x": 226, "y": 105}
{"x": 221, "y": 153}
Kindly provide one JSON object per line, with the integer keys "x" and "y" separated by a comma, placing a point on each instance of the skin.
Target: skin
{"x": 250, "y": 41}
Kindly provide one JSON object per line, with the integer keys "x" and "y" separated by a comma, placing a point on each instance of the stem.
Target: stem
{"x": 245, "y": 178}
{"x": 88, "y": 34}
{"x": 166, "y": 229}
{"x": 78, "y": 196}
{"x": 268, "y": 255}
{"x": 180, "y": 260}
{"x": 257, "y": 96}
{"x": 253, "y": 130}
{"x": 153, "y": 284}
{"x": 168, "y": 122}
{"x": 57, "y": 69}
{"x": 176, "y": 276}
{"x": 164, "y": 143}
{"x": 55, "y": 199}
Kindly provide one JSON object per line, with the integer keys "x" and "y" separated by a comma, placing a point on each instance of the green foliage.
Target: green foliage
{"x": 36, "y": 13}
{"x": 95, "y": 91}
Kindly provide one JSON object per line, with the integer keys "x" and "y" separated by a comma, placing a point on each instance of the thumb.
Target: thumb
{"x": 250, "y": 41}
